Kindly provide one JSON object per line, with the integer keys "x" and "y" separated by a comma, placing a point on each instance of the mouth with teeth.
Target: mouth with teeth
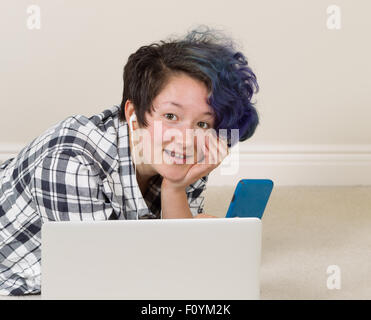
{"x": 177, "y": 157}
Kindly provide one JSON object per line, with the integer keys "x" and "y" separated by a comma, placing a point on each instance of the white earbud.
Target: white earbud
{"x": 132, "y": 118}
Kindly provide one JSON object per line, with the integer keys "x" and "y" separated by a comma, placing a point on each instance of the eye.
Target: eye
{"x": 204, "y": 125}
{"x": 171, "y": 114}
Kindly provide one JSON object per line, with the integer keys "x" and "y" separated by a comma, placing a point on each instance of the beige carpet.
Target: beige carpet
{"x": 305, "y": 230}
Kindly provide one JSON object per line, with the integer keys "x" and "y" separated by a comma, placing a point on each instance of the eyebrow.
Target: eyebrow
{"x": 181, "y": 106}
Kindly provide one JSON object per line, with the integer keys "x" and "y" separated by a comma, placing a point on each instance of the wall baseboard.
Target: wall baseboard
{"x": 322, "y": 165}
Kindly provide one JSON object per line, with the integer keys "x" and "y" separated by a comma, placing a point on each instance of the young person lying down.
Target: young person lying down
{"x": 148, "y": 158}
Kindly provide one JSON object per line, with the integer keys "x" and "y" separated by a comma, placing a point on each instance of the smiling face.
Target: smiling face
{"x": 180, "y": 107}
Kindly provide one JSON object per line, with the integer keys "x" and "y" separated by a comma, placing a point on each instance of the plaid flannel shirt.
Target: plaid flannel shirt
{"x": 79, "y": 169}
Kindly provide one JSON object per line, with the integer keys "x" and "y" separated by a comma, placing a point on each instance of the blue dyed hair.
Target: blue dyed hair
{"x": 207, "y": 55}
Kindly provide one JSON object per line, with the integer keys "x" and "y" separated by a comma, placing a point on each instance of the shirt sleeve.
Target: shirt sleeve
{"x": 196, "y": 198}
{"x": 67, "y": 187}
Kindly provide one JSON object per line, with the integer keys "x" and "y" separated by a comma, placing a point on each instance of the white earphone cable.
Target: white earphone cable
{"x": 135, "y": 171}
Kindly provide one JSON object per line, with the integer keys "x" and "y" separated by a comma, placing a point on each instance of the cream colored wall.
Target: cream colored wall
{"x": 315, "y": 82}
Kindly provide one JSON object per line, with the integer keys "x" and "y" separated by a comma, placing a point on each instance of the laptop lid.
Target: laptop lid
{"x": 152, "y": 259}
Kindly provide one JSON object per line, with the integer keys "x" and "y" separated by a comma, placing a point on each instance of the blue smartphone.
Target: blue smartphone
{"x": 250, "y": 198}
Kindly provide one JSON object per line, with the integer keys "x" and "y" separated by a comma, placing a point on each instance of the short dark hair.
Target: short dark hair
{"x": 206, "y": 55}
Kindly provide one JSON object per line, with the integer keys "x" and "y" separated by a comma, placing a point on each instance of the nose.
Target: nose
{"x": 191, "y": 142}
{"x": 184, "y": 141}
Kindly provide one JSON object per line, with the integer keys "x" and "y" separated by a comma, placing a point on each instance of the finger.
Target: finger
{"x": 212, "y": 150}
{"x": 204, "y": 152}
{"x": 223, "y": 149}
{"x": 223, "y": 143}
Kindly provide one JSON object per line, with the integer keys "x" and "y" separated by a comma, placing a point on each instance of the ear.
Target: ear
{"x": 129, "y": 110}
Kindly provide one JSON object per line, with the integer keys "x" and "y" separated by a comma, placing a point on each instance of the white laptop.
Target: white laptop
{"x": 152, "y": 259}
